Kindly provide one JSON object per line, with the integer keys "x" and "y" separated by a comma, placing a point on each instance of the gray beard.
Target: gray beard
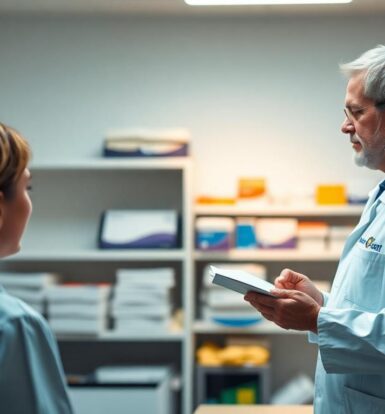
{"x": 371, "y": 158}
{"x": 365, "y": 160}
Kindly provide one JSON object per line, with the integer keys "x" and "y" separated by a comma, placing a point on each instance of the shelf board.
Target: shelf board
{"x": 276, "y": 255}
{"x": 276, "y": 210}
{"x": 263, "y": 327}
{"x": 176, "y": 336}
{"x": 176, "y": 163}
{"x": 100, "y": 255}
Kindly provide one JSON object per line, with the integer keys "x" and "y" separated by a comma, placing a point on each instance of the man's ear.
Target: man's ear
{"x": 2, "y": 201}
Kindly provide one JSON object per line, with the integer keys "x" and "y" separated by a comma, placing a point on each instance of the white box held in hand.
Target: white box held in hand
{"x": 240, "y": 281}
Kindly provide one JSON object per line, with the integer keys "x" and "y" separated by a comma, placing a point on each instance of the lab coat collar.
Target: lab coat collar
{"x": 372, "y": 193}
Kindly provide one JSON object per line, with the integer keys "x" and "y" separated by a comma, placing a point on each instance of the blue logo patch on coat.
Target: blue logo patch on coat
{"x": 370, "y": 245}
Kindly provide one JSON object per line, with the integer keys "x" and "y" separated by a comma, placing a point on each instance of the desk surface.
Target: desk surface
{"x": 254, "y": 409}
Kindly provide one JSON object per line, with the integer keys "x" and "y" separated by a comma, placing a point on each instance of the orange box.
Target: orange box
{"x": 215, "y": 200}
{"x": 331, "y": 194}
{"x": 251, "y": 187}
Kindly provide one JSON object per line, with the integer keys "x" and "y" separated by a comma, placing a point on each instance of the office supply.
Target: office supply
{"x": 147, "y": 143}
{"x": 77, "y": 325}
{"x": 136, "y": 296}
{"x": 141, "y": 300}
{"x": 215, "y": 200}
{"x": 162, "y": 277}
{"x": 210, "y": 354}
{"x": 137, "y": 311}
{"x": 30, "y": 287}
{"x": 225, "y": 307}
{"x": 240, "y": 281}
{"x": 256, "y": 269}
{"x": 81, "y": 310}
{"x": 251, "y": 188}
{"x": 236, "y": 317}
{"x": 220, "y": 384}
{"x": 334, "y": 194}
{"x": 125, "y": 389}
{"x": 214, "y": 233}
{"x": 78, "y": 292}
{"x": 222, "y": 298}
{"x": 28, "y": 279}
{"x": 250, "y": 409}
{"x": 311, "y": 235}
{"x": 141, "y": 326}
{"x": 78, "y": 308}
{"x": 245, "y": 237}
{"x": 139, "y": 229}
{"x": 276, "y": 233}
{"x": 27, "y": 295}
{"x": 116, "y": 374}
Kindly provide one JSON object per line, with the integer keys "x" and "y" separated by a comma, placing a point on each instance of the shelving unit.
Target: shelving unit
{"x": 100, "y": 255}
{"x": 278, "y": 255}
{"x": 274, "y": 211}
{"x": 172, "y": 336}
{"x": 319, "y": 264}
{"x": 177, "y": 163}
{"x": 69, "y": 198}
{"x": 261, "y": 328}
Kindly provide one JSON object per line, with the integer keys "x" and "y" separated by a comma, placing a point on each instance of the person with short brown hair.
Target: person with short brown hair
{"x": 32, "y": 380}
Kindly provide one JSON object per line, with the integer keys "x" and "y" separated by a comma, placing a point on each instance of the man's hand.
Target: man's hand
{"x": 290, "y": 309}
{"x": 290, "y": 280}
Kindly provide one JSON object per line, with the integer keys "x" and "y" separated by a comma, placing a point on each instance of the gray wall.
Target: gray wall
{"x": 262, "y": 96}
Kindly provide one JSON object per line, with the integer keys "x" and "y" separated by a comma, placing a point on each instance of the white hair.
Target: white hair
{"x": 372, "y": 65}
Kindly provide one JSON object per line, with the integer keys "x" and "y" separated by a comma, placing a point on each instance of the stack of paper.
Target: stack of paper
{"x": 76, "y": 308}
{"x": 29, "y": 287}
{"x": 147, "y": 143}
{"x": 141, "y": 300}
{"x": 227, "y": 307}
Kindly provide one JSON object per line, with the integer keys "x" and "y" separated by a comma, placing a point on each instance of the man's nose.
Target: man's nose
{"x": 347, "y": 127}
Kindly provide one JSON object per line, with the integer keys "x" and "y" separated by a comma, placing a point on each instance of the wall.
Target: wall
{"x": 262, "y": 96}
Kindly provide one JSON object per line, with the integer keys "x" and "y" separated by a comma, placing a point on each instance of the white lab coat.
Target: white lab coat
{"x": 350, "y": 374}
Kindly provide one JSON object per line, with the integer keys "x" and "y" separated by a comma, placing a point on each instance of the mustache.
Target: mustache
{"x": 355, "y": 138}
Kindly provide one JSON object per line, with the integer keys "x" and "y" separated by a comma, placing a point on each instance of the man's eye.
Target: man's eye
{"x": 358, "y": 111}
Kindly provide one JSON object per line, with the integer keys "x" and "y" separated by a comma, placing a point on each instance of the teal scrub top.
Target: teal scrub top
{"x": 350, "y": 374}
{"x": 31, "y": 375}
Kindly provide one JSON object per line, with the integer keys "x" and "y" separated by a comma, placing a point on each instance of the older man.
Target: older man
{"x": 349, "y": 324}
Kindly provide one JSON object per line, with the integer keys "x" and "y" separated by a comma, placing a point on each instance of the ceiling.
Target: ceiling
{"x": 177, "y": 7}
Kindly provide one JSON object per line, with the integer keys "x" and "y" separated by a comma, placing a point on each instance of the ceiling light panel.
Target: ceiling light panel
{"x": 260, "y": 2}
